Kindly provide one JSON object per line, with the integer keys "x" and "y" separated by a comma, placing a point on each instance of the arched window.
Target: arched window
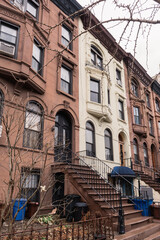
{"x": 90, "y": 139}
{"x": 33, "y": 125}
{"x": 108, "y": 145}
{"x": 157, "y": 105}
{"x": 134, "y": 87}
{"x": 135, "y": 149}
{"x": 1, "y": 105}
{"x": 96, "y": 57}
{"x": 145, "y": 154}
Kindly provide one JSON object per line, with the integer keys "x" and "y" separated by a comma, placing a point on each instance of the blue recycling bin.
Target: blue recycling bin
{"x": 143, "y": 204}
{"x": 18, "y": 203}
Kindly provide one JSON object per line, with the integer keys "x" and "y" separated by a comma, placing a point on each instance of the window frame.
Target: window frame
{"x": 28, "y": 131}
{"x": 151, "y": 126}
{"x": 145, "y": 154}
{"x": 70, "y": 83}
{"x": 119, "y": 77}
{"x": 90, "y": 128}
{"x": 136, "y": 156}
{"x": 41, "y": 62}
{"x": 157, "y": 105}
{"x": 93, "y": 93}
{"x": 134, "y": 88}
{"x": 121, "y": 111}
{"x": 97, "y": 55}
{"x": 110, "y": 149}
{"x": 1, "y": 105}
{"x": 35, "y": 5}
{"x": 137, "y": 118}
{"x": 69, "y": 45}
{"x": 12, "y": 26}
{"x": 25, "y": 190}
{"x": 148, "y": 102}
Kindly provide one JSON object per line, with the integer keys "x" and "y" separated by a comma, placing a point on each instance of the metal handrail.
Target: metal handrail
{"x": 108, "y": 169}
{"x": 95, "y": 181}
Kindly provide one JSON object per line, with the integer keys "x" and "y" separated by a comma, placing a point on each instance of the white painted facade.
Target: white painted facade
{"x": 102, "y": 115}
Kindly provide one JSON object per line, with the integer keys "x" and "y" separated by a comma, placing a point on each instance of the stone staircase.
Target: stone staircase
{"x": 152, "y": 182}
{"x": 103, "y": 198}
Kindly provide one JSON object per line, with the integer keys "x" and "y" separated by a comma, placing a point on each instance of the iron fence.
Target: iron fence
{"x": 98, "y": 228}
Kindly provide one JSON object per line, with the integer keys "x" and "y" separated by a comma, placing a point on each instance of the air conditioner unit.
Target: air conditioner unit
{"x": 1, "y": 130}
{"x": 19, "y": 4}
{"x": 7, "y": 49}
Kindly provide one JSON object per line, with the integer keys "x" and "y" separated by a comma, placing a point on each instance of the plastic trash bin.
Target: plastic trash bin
{"x": 81, "y": 209}
{"x": 143, "y": 204}
{"x": 70, "y": 201}
{"x": 17, "y": 205}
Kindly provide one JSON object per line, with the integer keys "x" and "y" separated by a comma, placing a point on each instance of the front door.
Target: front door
{"x": 63, "y": 138}
{"x": 121, "y": 153}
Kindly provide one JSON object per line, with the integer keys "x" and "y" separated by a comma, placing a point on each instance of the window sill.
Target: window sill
{"x": 152, "y": 135}
{"x": 67, "y": 95}
{"x": 66, "y": 49}
{"x": 119, "y": 86}
{"x": 121, "y": 120}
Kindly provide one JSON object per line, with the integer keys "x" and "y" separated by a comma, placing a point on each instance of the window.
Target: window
{"x": 29, "y": 184}
{"x": 33, "y": 126}
{"x": 148, "y": 100}
{"x": 151, "y": 126}
{"x": 136, "y": 115}
{"x": 121, "y": 110}
{"x": 135, "y": 150}
{"x": 145, "y": 154}
{"x": 157, "y": 106}
{"x": 37, "y": 57}
{"x": 109, "y": 100}
{"x": 118, "y": 77}
{"x": 32, "y": 7}
{"x": 1, "y": 105}
{"x": 8, "y": 39}
{"x": 90, "y": 139}
{"x": 96, "y": 57}
{"x": 94, "y": 91}
{"x": 159, "y": 128}
{"x": 108, "y": 145}
{"x": 134, "y": 88}
{"x": 66, "y": 37}
{"x": 66, "y": 79}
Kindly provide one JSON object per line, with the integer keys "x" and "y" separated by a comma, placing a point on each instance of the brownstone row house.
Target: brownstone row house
{"x": 143, "y": 111}
{"x": 38, "y": 86}
{"x": 40, "y": 116}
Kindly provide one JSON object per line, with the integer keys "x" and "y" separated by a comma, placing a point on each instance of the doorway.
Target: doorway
{"x": 63, "y": 138}
{"x": 121, "y": 150}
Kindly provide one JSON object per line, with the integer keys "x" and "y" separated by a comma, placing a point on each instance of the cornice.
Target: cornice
{"x": 93, "y": 25}
{"x": 137, "y": 70}
{"x": 67, "y": 6}
{"x": 11, "y": 12}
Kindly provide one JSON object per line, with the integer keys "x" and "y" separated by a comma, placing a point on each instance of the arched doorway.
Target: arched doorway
{"x": 121, "y": 150}
{"x": 63, "y": 137}
{"x": 153, "y": 154}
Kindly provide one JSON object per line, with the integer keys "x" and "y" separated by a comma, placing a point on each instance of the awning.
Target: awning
{"x": 123, "y": 171}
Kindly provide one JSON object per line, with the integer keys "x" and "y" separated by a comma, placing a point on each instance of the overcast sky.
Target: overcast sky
{"x": 107, "y": 10}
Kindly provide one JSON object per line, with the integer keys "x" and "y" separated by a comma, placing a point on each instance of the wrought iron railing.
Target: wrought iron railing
{"x": 104, "y": 170}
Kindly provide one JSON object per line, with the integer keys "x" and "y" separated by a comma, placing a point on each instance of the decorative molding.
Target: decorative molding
{"x": 12, "y": 13}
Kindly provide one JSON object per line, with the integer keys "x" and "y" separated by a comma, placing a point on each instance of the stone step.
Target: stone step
{"x": 155, "y": 236}
{"x": 128, "y": 214}
{"x": 94, "y": 193}
{"x": 139, "y": 233}
{"x": 133, "y": 223}
{"x": 115, "y": 205}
